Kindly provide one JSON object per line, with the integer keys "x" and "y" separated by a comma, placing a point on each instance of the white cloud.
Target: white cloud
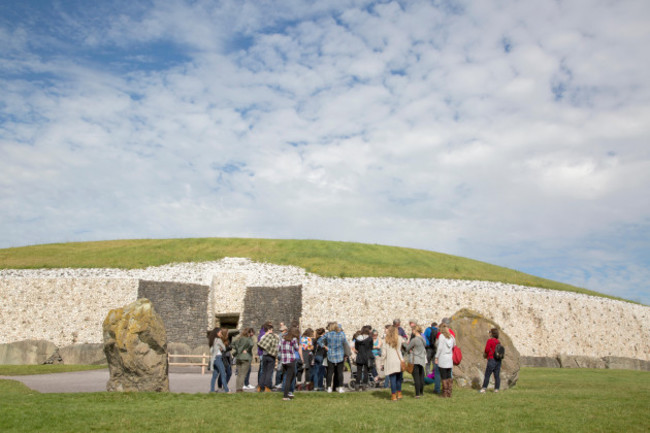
{"x": 474, "y": 128}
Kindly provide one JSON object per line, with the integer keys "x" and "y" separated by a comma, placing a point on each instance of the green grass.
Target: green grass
{"x": 23, "y": 370}
{"x": 557, "y": 400}
{"x": 325, "y": 258}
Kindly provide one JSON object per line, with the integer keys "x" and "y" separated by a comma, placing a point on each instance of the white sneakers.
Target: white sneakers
{"x": 249, "y": 387}
{"x": 340, "y": 389}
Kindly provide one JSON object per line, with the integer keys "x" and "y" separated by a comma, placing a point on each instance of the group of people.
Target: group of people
{"x": 320, "y": 356}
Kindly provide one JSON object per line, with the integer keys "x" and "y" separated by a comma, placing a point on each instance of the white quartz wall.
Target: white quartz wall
{"x": 540, "y": 322}
{"x": 61, "y": 310}
{"x": 66, "y": 305}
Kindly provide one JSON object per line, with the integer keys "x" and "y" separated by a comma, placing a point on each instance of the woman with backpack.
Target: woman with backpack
{"x": 494, "y": 357}
{"x": 307, "y": 343}
{"x": 319, "y": 356}
{"x": 363, "y": 347}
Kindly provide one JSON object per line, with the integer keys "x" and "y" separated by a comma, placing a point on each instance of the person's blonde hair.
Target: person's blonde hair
{"x": 444, "y": 329}
{"x": 392, "y": 337}
{"x": 417, "y": 329}
{"x": 333, "y": 326}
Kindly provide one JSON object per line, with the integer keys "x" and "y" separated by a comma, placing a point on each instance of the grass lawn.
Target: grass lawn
{"x": 545, "y": 400}
{"x": 325, "y": 258}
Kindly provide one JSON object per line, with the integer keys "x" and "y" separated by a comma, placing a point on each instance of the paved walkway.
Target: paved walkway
{"x": 95, "y": 381}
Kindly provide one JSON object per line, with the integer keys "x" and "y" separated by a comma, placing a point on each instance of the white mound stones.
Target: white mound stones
{"x": 69, "y": 305}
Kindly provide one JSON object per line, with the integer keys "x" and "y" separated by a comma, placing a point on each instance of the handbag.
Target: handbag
{"x": 404, "y": 366}
{"x": 456, "y": 355}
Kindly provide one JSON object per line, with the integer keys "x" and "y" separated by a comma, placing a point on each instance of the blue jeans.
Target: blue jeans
{"x": 395, "y": 382}
{"x": 218, "y": 370}
{"x": 228, "y": 370}
{"x": 318, "y": 373}
{"x": 267, "y": 366}
{"x": 493, "y": 366}
{"x": 436, "y": 386}
{"x": 260, "y": 371}
{"x": 278, "y": 376}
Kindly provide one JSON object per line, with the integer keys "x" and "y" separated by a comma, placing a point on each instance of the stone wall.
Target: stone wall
{"x": 43, "y": 304}
{"x": 61, "y": 310}
{"x": 182, "y": 307}
{"x": 277, "y": 304}
{"x": 541, "y": 322}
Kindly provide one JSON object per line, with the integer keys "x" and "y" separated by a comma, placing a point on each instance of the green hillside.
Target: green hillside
{"x": 325, "y": 258}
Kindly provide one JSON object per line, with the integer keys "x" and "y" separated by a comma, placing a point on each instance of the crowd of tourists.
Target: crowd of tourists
{"x": 315, "y": 360}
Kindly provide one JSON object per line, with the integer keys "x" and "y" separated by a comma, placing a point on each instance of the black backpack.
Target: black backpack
{"x": 433, "y": 343}
{"x": 499, "y": 352}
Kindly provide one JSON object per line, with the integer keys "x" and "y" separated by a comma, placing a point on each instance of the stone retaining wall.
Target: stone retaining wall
{"x": 182, "y": 307}
{"x": 68, "y": 306}
{"x": 277, "y": 304}
{"x": 540, "y": 322}
{"x": 61, "y": 310}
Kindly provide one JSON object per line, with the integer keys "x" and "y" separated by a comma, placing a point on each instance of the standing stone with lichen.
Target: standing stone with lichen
{"x": 135, "y": 344}
{"x": 471, "y": 335}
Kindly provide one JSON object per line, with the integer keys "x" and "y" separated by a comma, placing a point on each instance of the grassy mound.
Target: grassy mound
{"x": 325, "y": 258}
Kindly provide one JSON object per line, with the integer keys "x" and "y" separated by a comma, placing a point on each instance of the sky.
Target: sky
{"x": 511, "y": 132}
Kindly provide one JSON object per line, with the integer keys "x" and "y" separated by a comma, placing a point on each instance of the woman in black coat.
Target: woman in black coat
{"x": 363, "y": 347}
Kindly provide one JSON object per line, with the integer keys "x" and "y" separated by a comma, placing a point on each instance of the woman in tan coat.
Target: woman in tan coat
{"x": 392, "y": 358}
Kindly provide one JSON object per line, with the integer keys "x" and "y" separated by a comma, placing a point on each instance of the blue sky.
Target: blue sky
{"x": 515, "y": 133}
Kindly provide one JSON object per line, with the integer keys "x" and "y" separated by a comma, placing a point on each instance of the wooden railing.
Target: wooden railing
{"x": 203, "y": 363}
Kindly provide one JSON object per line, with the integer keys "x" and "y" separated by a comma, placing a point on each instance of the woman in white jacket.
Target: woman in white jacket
{"x": 392, "y": 358}
{"x": 444, "y": 359}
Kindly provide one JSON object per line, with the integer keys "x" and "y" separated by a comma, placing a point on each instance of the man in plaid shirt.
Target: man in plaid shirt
{"x": 269, "y": 344}
{"x": 334, "y": 342}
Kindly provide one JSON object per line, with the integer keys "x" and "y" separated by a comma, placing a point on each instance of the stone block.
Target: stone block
{"x": 27, "y": 352}
{"x": 569, "y": 361}
{"x": 539, "y": 361}
{"x": 619, "y": 363}
{"x": 83, "y": 354}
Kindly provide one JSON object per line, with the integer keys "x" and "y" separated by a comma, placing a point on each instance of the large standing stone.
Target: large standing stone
{"x": 135, "y": 345}
{"x": 471, "y": 335}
